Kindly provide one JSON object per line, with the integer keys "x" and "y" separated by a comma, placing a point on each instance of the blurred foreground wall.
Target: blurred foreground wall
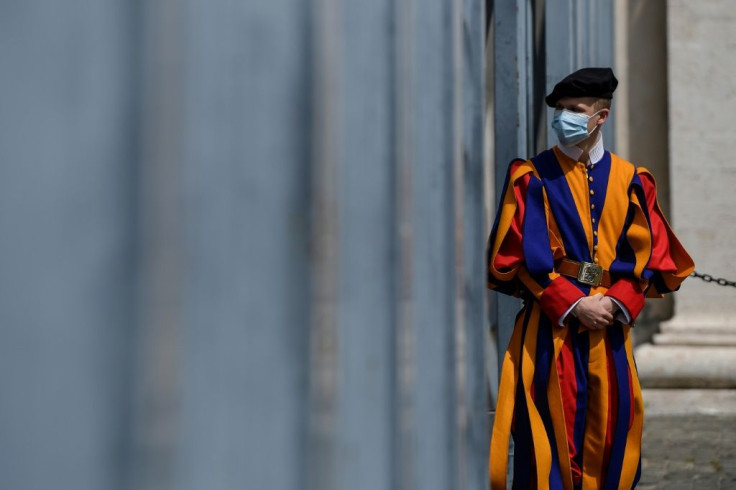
{"x": 240, "y": 245}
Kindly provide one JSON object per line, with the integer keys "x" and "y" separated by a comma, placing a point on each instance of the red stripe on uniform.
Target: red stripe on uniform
{"x": 569, "y": 391}
{"x": 509, "y": 255}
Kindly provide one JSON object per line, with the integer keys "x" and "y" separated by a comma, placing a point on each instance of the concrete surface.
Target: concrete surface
{"x": 678, "y": 366}
{"x": 677, "y": 338}
{"x": 689, "y": 440}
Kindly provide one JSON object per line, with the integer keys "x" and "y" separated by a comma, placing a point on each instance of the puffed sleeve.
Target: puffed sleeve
{"x": 650, "y": 259}
{"x": 521, "y": 253}
{"x": 669, "y": 263}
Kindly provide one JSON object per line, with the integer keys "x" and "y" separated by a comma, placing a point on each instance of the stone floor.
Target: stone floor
{"x": 689, "y": 440}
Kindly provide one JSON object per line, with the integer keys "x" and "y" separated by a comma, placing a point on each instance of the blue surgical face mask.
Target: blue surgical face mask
{"x": 571, "y": 127}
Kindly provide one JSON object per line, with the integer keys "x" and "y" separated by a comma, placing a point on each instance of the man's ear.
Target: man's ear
{"x": 603, "y": 115}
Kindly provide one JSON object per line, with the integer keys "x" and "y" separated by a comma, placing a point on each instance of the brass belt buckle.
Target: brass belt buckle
{"x": 590, "y": 274}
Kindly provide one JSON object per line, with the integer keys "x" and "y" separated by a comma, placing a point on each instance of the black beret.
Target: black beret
{"x": 586, "y": 82}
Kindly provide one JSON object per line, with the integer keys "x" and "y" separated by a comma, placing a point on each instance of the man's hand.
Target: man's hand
{"x": 595, "y": 312}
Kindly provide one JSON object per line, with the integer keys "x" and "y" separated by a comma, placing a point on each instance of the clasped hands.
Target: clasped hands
{"x": 595, "y": 312}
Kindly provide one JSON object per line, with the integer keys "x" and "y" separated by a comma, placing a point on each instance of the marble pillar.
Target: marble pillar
{"x": 702, "y": 101}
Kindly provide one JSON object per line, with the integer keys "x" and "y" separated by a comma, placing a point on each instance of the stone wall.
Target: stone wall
{"x": 701, "y": 39}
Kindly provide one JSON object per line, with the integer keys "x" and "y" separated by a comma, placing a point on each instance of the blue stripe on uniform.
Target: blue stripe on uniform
{"x": 522, "y": 431}
{"x": 621, "y": 364}
{"x": 563, "y": 206}
{"x": 535, "y": 241}
{"x": 543, "y": 364}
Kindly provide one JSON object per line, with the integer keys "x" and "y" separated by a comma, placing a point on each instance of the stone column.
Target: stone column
{"x": 703, "y": 176}
{"x": 695, "y": 342}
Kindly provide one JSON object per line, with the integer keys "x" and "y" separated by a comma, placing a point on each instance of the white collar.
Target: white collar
{"x": 574, "y": 152}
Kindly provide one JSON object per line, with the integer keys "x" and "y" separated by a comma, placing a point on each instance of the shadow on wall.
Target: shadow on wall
{"x": 647, "y": 124}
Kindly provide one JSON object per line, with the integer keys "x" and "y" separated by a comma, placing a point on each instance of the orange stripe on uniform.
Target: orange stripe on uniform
{"x": 542, "y": 449}
{"x": 633, "y": 439}
{"x": 639, "y": 237}
{"x": 508, "y": 219}
{"x": 499, "y": 450}
{"x": 613, "y": 215}
{"x": 597, "y": 412}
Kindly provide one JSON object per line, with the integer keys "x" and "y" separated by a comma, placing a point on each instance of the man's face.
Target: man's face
{"x": 584, "y": 105}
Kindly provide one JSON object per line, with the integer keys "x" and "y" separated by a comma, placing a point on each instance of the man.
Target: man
{"x": 579, "y": 236}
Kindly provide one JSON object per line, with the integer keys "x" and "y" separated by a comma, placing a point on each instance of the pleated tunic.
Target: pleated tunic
{"x": 571, "y": 396}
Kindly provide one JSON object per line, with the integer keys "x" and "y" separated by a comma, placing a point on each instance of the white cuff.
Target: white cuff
{"x": 561, "y": 321}
{"x": 622, "y": 315}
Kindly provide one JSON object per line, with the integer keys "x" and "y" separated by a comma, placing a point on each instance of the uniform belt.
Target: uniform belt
{"x": 585, "y": 272}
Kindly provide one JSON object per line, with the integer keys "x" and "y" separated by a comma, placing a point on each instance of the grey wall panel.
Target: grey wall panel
{"x": 512, "y": 111}
{"x": 404, "y": 267}
{"x": 475, "y": 429}
{"x": 562, "y": 40}
{"x": 364, "y": 449}
{"x": 246, "y": 183}
{"x": 155, "y": 418}
{"x": 65, "y": 242}
{"x": 433, "y": 229}
{"x": 325, "y": 246}
{"x": 511, "y": 107}
{"x": 578, "y": 33}
{"x": 240, "y": 245}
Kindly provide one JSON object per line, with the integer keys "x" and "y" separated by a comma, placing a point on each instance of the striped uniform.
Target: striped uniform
{"x": 571, "y": 396}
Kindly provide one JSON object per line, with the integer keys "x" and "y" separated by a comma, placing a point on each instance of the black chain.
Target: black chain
{"x": 708, "y": 278}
